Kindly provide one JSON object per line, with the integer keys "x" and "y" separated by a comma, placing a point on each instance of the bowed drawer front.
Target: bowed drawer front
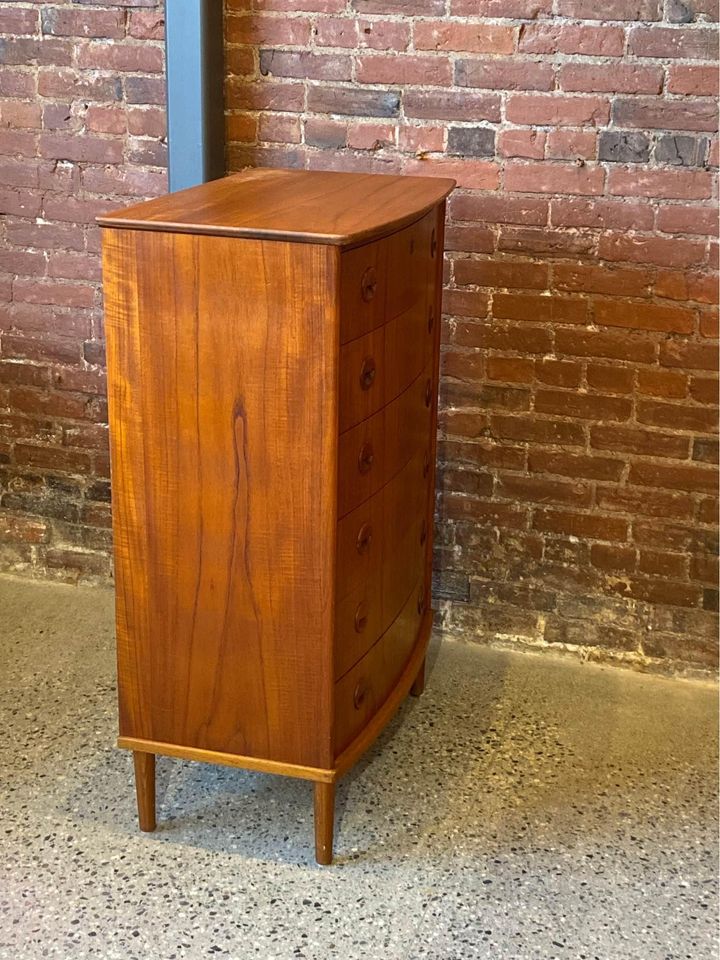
{"x": 273, "y": 344}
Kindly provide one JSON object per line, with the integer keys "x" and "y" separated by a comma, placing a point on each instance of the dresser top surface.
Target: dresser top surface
{"x": 306, "y": 206}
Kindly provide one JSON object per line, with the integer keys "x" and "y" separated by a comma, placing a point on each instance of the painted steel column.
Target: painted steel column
{"x": 195, "y": 107}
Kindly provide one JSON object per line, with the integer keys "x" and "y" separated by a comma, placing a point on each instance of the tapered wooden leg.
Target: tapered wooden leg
{"x": 418, "y": 686}
{"x": 324, "y": 820}
{"x": 145, "y": 788}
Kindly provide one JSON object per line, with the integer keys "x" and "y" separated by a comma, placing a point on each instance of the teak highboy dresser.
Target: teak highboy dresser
{"x": 273, "y": 342}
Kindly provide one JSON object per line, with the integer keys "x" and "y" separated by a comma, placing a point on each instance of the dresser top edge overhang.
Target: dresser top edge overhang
{"x": 299, "y": 206}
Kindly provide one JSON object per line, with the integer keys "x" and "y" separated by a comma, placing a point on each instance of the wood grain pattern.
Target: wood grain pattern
{"x": 273, "y": 407}
{"x": 304, "y": 206}
{"x": 224, "y": 427}
{"x": 260, "y": 765}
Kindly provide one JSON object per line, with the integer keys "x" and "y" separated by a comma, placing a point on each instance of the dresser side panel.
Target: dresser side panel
{"x": 222, "y": 360}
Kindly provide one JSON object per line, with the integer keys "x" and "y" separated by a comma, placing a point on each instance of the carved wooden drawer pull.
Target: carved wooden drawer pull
{"x": 428, "y": 393}
{"x": 366, "y": 458}
{"x": 421, "y": 601}
{"x": 364, "y": 538}
{"x": 368, "y": 371}
{"x": 368, "y": 284}
{"x": 361, "y": 617}
{"x": 359, "y": 694}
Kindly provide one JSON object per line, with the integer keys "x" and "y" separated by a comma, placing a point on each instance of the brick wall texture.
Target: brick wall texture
{"x": 577, "y": 493}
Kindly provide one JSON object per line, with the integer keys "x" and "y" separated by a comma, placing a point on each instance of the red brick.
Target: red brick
{"x": 704, "y": 569}
{"x": 52, "y": 458}
{"x": 521, "y": 142}
{"x": 504, "y": 337}
{"x": 465, "y": 303}
{"x": 591, "y": 78}
{"x": 590, "y": 406}
{"x": 462, "y": 366}
{"x": 602, "y": 214}
{"x": 559, "y": 37}
{"x": 664, "y": 184}
{"x": 106, "y": 119}
{"x": 708, "y": 511}
{"x": 572, "y": 144}
{"x": 611, "y": 10}
{"x": 16, "y": 113}
{"x": 540, "y": 490}
{"x": 671, "y": 42}
{"x": 384, "y": 35}
{"x": 609, "y": 378}
{"x": 305, "y": 64}
{"x": 693, "y": 477}
{"x": 695, "y": 356}
{"x": 50, "y": 291}
{"x": 146, "y": 121}
{"x": 132, "y": 58}
{"x": 58, "y": 146}
{"x": 539, "y": 309}
{"x": 693, "y": 81}
{"x": 662, "y": 383}
{"x": 328, "y": 32}
{"x": 605, "y": 344}
{"x": 663, "y": 251}
{"x": 683, "y": 218}
{"x": 545, "y": 243}
{"x": 676, "y": 416}
{"x": 709, "y": 323}
{"x": 451, "y": 105}
{"x": 507, "y": 274}
{"x": 469, "y": 174}
{"x": 239, "y": 62}
{"x": 430, "y": 71}
{"x": 586, "y": 278}
{"x": 279, "y": 129}
{"x": 558, "y": 373}
{"x": 457, "y": 507}
{"x": 659, "y": 563}
{"x": 504, "y": 74}
{"x": 147, "y": 24}
{"x": 613, "y": 557}
{"x": 83, "y": 23}
{"x": 703, "y": 389}
{"x": 644, "y": 502}
{"x": 659, "y": 591}
{"x": 241, "y": 127}
{"x": 555, "y": 110}
{"x": 595, "y": 526}
{"x": 499, "y": 209}
{"x": 23, "y": 529}
{"x": 421, "y": 139}
{"x": 455, "y": 37}
{"x": 644, "y": 316}
{"x": 468, "y": 239}
{"x": 553, "y": 178}
{"x": 575, "y": 465}
{"x": 18, "y": 22}
{"x": 542, "y": 430}
{"x": 657, "y": 114}
{"x": 510, "y": 369}
{"x": 515, "y": 9}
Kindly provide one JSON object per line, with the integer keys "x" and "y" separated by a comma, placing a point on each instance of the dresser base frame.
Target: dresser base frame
{"x": 411, "y": 681}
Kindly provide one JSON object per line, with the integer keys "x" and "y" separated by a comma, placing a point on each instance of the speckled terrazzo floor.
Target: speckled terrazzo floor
{"x": 523, "y": 808}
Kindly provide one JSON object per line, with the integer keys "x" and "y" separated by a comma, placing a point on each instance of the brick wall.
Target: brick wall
{"x": 578, "y": 480}
{"x": 577, "y": 499}
{"x": 81, "y": 130}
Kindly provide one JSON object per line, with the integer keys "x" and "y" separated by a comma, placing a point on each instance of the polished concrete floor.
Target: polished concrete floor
{"x": 524, "y": 807}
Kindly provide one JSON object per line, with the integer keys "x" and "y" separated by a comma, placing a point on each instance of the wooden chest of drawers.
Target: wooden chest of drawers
{"x": 273, "y": 344}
